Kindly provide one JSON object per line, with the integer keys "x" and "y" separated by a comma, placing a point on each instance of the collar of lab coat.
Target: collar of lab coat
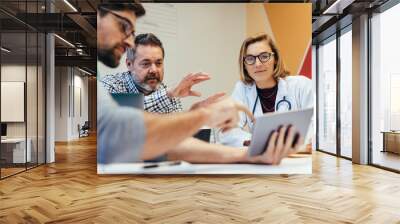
{"x": 251, "y": 93}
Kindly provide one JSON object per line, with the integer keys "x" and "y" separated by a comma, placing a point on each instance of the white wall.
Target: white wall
{"x": 12, "y": 73}
{"x": 196, "y": 37}
{"x": 61, "y": 103}
{"x": 209, "y": 37}
{"x": 70, "y": 83}
{"x": 81, "y": 114}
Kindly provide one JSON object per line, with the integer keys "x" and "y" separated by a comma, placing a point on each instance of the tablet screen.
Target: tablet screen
{"x": 266, "y": 124}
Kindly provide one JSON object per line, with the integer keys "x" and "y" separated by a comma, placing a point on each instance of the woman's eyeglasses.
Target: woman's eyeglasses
{"x": 263, "y": 57}
{"x": 126, "y": 25}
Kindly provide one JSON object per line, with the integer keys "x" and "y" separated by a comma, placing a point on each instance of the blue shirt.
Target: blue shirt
{"x": 121, "y": 131}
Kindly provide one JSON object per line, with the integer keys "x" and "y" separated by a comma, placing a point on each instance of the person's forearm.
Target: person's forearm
{"x": 196, "y": 151}
{"x": 166, "y": 131}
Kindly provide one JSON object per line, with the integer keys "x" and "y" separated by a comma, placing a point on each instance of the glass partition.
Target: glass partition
{"x": 22, "y": 87}
{"x": 14, "y": 153}
{"x": 327, "y": 96}
{"x": 385, "y": 89}
{"x": 346, "y": 94}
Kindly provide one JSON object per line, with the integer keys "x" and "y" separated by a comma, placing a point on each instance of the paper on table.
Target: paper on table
{"x": 137, "y": 168}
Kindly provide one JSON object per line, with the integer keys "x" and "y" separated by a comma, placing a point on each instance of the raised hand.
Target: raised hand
{"x": 184, "y": 88}
{"x": 212, "y": 99}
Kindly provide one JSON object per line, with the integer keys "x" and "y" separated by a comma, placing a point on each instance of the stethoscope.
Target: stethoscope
{"x": 281, "y": 103}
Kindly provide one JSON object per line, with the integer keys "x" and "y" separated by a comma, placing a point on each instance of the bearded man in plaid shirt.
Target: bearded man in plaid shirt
{"x": 145, "y": 74}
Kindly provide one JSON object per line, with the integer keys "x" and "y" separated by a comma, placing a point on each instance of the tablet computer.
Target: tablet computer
{"x": 264, "y": 125}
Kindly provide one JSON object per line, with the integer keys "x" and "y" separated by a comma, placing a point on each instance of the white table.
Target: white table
{"x": 19, "y": 155}
{"x": 288, "y": 166}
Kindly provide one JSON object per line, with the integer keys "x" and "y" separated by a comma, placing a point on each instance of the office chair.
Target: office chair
{"x": 84, "y": 130}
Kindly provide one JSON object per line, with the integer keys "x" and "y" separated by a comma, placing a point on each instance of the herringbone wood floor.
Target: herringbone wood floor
{"x": 70, "y": 191}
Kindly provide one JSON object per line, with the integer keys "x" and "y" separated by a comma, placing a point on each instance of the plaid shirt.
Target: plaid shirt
{"x": 156, "y": 102}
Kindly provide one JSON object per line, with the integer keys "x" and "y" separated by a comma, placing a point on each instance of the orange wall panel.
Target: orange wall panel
{"x": 291, "y": 26}
{"x": 256, "y": 20}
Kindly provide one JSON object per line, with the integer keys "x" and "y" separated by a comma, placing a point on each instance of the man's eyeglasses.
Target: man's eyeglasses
{"x": 126, "y": 25}
{"x": 263, "y": 57}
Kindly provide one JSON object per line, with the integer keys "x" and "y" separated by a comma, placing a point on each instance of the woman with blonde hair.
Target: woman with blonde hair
{"x": 265, "y": 86}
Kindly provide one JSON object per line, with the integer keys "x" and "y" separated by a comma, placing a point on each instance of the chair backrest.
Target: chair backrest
{"x": 86, "y": 125}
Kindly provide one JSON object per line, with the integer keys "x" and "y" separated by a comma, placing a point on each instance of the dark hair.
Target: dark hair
{"x": 145, "y": 39}
{"x": 115, "y": 5}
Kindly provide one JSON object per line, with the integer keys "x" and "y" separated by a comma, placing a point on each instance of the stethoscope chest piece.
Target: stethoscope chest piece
{"x": 283, "y": 105}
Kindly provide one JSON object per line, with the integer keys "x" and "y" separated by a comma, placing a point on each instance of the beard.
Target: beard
{"x": 108, "y": 57}
{"x": 151, "y": 77}
{"x": 143, "y": 86}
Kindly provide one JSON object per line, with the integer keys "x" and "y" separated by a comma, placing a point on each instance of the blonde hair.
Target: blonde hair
{"x": 279, "y": 70}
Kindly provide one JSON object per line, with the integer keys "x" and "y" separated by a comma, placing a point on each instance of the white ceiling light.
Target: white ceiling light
{"x": 337, "y": 7}
{"x": 5, "y": 50}
{"x": 65, "y": 41}
{"x": 79, "y": 51}
{"x": 84, "y": 71}
{"x": 70, "y": 5}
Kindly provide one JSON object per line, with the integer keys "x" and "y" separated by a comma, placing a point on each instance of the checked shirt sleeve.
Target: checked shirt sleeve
{"x": 159, "y": 102}
{"x": 114, "y": 83}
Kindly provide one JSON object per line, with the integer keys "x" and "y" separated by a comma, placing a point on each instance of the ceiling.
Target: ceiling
{"x": 76, "y": 25}
{"x": 331, "y": 15}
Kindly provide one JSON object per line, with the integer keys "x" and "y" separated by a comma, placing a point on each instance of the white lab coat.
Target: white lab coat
{"x": 296, "y": 89}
